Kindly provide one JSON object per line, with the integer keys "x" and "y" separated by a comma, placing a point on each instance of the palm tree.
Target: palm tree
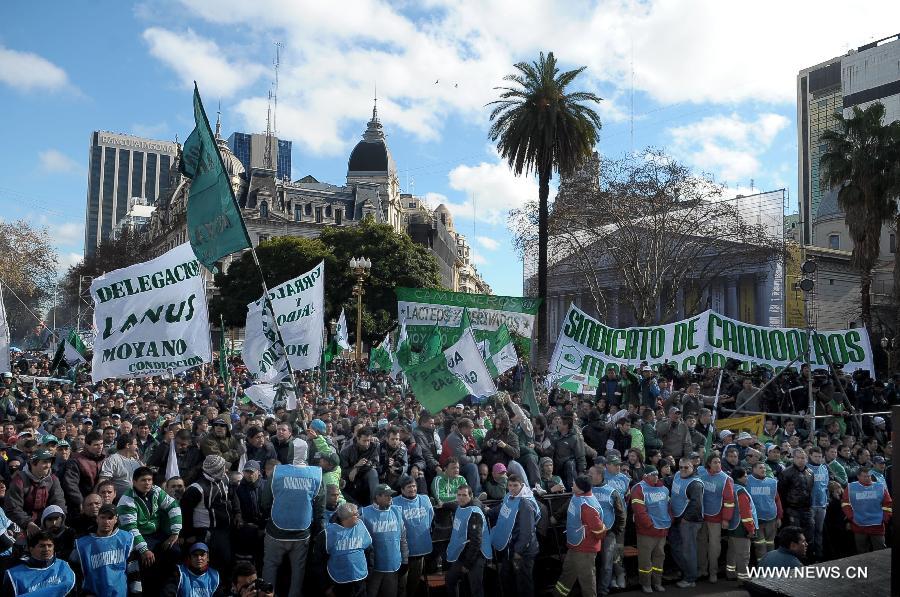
{"x": 860, "y": 161}
{"x": 539, "y": 127}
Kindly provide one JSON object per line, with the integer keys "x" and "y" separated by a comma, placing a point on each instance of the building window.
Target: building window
{"x": 298, "y": 213}
{"x": 338, "y": 216}
{"x": 308, "y": 209}
{"x": 264, "y": 209}
{"x": 892, "y": 243}
{"x": 263, "y": 238}
{"x": 328, "y": 211}
{"x": 318, "y": 215}
{"x": 831, "y": 281}
{"x": 347, "y": 214}
{"x": 834, "y": 241}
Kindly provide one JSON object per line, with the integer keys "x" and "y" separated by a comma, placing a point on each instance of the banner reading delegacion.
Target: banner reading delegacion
{"x": 587, "y": 346}
{"x": 299, "y": 306}
{"x": 151, "y": 318}
{"x": 421, "y": 308}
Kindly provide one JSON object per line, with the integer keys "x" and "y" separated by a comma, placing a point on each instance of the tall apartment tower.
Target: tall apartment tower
{"x": 865, "y": 75}
{"x": 121, "y": 167}
{"x": 250, "y": 149}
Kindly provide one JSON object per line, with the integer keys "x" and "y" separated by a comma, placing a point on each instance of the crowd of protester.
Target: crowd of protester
{"x": 180, "y": 486}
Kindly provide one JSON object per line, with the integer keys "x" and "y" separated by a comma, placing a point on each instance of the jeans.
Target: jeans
{"x": 803, "y": 518}
{"x": 568, "y": 474}
{"x": 683, "y": 543}
{"x": 470, "y": 472}
{"x": 381, "y": 583}
{"x": 517, "y": 576}
{"x": 818, "y": 526}
{"x": 475, "y": 577}
{"x": 273, "y": 554}
{"x": 530, "y": 464}
{"x": 605, "y": 563}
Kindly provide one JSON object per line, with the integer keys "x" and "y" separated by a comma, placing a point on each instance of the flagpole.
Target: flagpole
{"x": 268, "y": 303}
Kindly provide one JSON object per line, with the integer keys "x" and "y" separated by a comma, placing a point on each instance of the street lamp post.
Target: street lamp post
{"x": 360, "y": 267}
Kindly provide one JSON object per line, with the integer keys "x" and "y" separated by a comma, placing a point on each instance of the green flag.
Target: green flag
{"x": 214, "y": 224}
{"x": 500, "y": 351}
{"x": 70, "y": 353}
{"x": 528, "y": 394}
{"x": 380, "y": 356}
{"x": 433, "y": 345}
{"x": 464, "y": 321}
{"x": 435, "y": 385}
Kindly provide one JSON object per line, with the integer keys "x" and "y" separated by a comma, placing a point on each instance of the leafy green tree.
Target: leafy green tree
{"x": 27, "y": 271}
{"x": 540, "y": 126}
{"x": 396, "y": 261}
{"x": 861, "y": 162}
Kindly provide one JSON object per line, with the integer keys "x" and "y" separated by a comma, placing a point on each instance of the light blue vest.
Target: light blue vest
{"x": 54, "y": 581}
{"x": 679, "y": 493}
{"x": 762, "y": 492}
{"x": 656, "y": 500}
{"x": 866, "y": 503}
{"x": 460, "y": 533}
{"x": 713, "y": 487}
{"x": 606, "y": 496}
{"x": 502, "y": 530}
{"x": 574, "y": 524}
{"x": 385, "y": 527}
{"x": 418, "y": 515}
{"x": 736, "y": 513}
{"x": 103, "y": 561}
{"x": 4, "y": 524}
{"x": 293, "y": 491}
{"x": 346, "y": 552}
{"x": 820, "y": 485}
{"x": 621, "y": 482}
{"x": 191, "y": 585}
{"x": 878, "y": 477}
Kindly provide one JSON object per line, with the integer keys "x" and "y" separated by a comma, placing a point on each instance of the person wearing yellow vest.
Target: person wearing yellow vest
{"x": 652, "y": 519}
{"x": 584, "y": 534}
{"x": 868, "y": 507}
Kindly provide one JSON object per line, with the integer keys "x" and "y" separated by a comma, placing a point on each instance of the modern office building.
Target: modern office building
{"x": 250, "y": 149}
{"x": 121, "y": 167}
{"x": 865, "y": 75}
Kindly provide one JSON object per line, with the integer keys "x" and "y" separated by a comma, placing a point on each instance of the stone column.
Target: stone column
{"x": 731, "y": 297}
{"x": 763, "y": 298}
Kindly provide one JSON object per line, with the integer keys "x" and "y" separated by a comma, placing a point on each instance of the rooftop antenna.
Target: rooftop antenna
{"x": 278, "y": 46}
{"x": 375, "y": 105}
{"x": 267, "y": 157}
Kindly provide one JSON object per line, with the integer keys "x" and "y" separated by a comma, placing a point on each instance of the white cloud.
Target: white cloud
{"x": 477, "y": 258}
{"x": 67, "y": 260}
{"x": 67, "y": 233}
{"x": 488, "y": 243}
{"x": 727, "y": 146}
{"x": 194, "y": 58}
{"x": 53, "y": 161}
{"x": 491, "y": 190}
{"x": 25, "y": 71}
{"x": 150, "y": 130}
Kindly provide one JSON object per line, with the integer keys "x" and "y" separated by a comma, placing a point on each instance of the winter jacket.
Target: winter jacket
{"x": 81, "y": 475}
{"x": 795, "y": 487}
{"x": 143, "y": 516}
{"x": 27, "y": 497}
{"x": 425, "y": 440}
{"x": 595, "y": 435}
{"x": 208, "y": 504}
{"x": 492, "y": 454}
{"x": 262, "y": 454}
{"x": 676, "y": 438}
{"x": 472, "y": 549}
{"x": 190, "y": 464}
{"x": 569, "y": 447}
{"x": 351, "y": 454}
{"x": 456, "y": 446}
{"x": 651, "y": 437}
{"x": 227, "y": 447}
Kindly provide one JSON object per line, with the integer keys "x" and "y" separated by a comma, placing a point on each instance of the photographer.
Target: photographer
{"x": 244, "y": 582}
{"x": 690, "y": 401}
{"x": 394, "y": 458}
{"x": 500, "y": 444}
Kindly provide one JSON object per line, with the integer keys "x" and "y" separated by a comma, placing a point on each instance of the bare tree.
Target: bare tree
{"x": 655, "y": 226}
{"x": 27, "y": 271}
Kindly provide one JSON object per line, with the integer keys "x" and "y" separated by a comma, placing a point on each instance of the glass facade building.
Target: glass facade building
{"x": 121, "y": 167}
{"x": 249, "y": 148}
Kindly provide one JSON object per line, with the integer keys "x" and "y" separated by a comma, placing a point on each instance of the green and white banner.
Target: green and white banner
{"x": 589, "y": 347}
{"x": 151, "y": 318}
{"x": 421, "y": 308}
{"x": 499, "y": 352}
{"x": 263, "y": 353}
{"x": 299, "y": 306}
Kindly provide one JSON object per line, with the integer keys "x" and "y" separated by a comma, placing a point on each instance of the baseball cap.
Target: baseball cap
{"x": 199, "y": 547}
{"x": 384, "y": 489}
{"x": 744, "y": 435}
{"x": 725, "y": 433}
{"x": 694, "y": 455}
{"x": 62, "y": 444}
{"x": 49, "y": 439}
{"x": 646, "y": 368}
{"x": 879, "y": 460}
{"x": 878, "y": 420}
{"x": 613, "y": 459}
{"x": 770, "y": 447}
{"x": 107, "y": 510}
{"x": 42, "y": 454}
{"x": 318, "y": 425}
{"x": 251, "y": 465}
{"x": 649, "y": 469}
{"x": 499, "y": 467}
{"x": 220, "y": 421}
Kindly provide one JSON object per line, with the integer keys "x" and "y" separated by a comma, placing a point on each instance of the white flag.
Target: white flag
{"x": 263, "y": 354}
{"x": 341, "y": 332}
{"x": 465, "y": 361}
{"x": 172, "y": 465}
{"x": 262, "y": 394}
{"x": 151, "y": 318}
{"x": 299, "y": 306}
{"x": 4, "y": 337}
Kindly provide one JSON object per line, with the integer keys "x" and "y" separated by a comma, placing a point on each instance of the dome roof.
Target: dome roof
{"x": 233, "y": 166}
{"x": 369, "y": 157}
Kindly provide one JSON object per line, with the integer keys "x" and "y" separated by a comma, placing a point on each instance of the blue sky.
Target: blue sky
{"x": 713, "y": 83}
